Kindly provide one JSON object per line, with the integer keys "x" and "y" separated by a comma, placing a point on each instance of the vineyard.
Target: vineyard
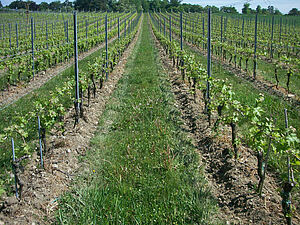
{"x": 188, "y": 118}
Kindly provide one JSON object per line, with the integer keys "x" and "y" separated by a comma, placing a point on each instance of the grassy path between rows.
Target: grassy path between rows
{"x": 24, "y": 105}
{"x": 141, "y": 168}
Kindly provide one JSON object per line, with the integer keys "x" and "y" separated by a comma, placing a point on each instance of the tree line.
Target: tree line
{"x": 139, "y": 5}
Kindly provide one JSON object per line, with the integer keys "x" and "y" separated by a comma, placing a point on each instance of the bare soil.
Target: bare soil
{"x": 259, "y": 83}
{"x": 43, "y": 187}
{"x": 233, "y": 182}
{"x": 11, "y": 95}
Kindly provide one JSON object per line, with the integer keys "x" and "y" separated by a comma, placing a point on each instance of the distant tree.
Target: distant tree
{"x": 187, "y": 7}
{"x": 44, "y": 6}
{"x": 246, "y": 8}
{"x": 277, "y": 12}
{"x": 214, "y": 9}
{"x": 55, "y": 6}
{"x": 145, "y": 5}
{"x": 82, "y": 5}
{"x": 271, "y": 9}
{"x": 127, "y": 5}
{"x": 294, "y": 12}
{"x": 1, "y": 6}
{"x": 66, "y": 6}
{"x": 175, "y": 3}
{"x": 33, "y": 6}
{"x": 197, "y": 8}
{"x": 138, "y": 5}
{"x": 154, "y": 5}
{"x": 258, "y": 9}
{"x": 67, "y": 3}
{"x": 264, "y": 11}
{"x": 97, "y": 4}
{"x": 164, "y": 5}
{"x": 111, "y": 5}
{"x": 17, "y": 5}
{"x": 230, "y": 9}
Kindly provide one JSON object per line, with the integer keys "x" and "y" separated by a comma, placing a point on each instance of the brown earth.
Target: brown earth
{"x": 259, "y": 83}
{"x": 232, "y": 181}
{"x": 8, "y": 97}
{"x": 43, "y": 187}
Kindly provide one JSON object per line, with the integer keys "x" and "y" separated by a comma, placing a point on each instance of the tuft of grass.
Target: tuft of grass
{"x": 246, "y": 93}
{"x": 274, "y": 106}
{"x": 141, "y": 169}
{"x": 267, "y": 71}
{"x": 24, "y": 105}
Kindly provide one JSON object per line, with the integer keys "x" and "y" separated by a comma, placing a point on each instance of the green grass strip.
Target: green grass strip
{"x": 246, "y": 93}
{"x": 141, "y": 169}
{"x": 25, "y": 104}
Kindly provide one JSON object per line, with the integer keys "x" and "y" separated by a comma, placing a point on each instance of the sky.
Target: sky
{"x": 283, "y": 5}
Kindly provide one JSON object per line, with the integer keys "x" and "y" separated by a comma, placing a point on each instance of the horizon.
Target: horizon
{"x": 284, "y": 6}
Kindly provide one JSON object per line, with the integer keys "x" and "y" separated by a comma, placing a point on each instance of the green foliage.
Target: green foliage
{"x": 231, "y": 111}
{"x": 50, "y": 108}
{"x": 51, "y": 52}
{"x": 294, "y": 12}
{"x": 151, "y": 174}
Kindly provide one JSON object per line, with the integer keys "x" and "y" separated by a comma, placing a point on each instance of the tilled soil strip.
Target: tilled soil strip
{"x": 232, "y": 182}
{"x": 16, "y": 92}
{"x": 259, "y": 83}
{"x": 42, "y": 188}
{"x": 24, "y": 52}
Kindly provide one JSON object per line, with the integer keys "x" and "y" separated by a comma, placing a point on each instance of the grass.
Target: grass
{"x": 274, "y": 106}
{"x": 140, "y": 169}
{"x": 266, "y": 71}
{"x": 246, "y": 93}
{"x": 24, "y": 105}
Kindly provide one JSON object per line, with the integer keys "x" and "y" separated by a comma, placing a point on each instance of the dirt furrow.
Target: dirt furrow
{"x": 8, "y": 97}
{"x": 259, "y": 83}
{"x": 43, "y": 187}
{"x": 233, "y": 182}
